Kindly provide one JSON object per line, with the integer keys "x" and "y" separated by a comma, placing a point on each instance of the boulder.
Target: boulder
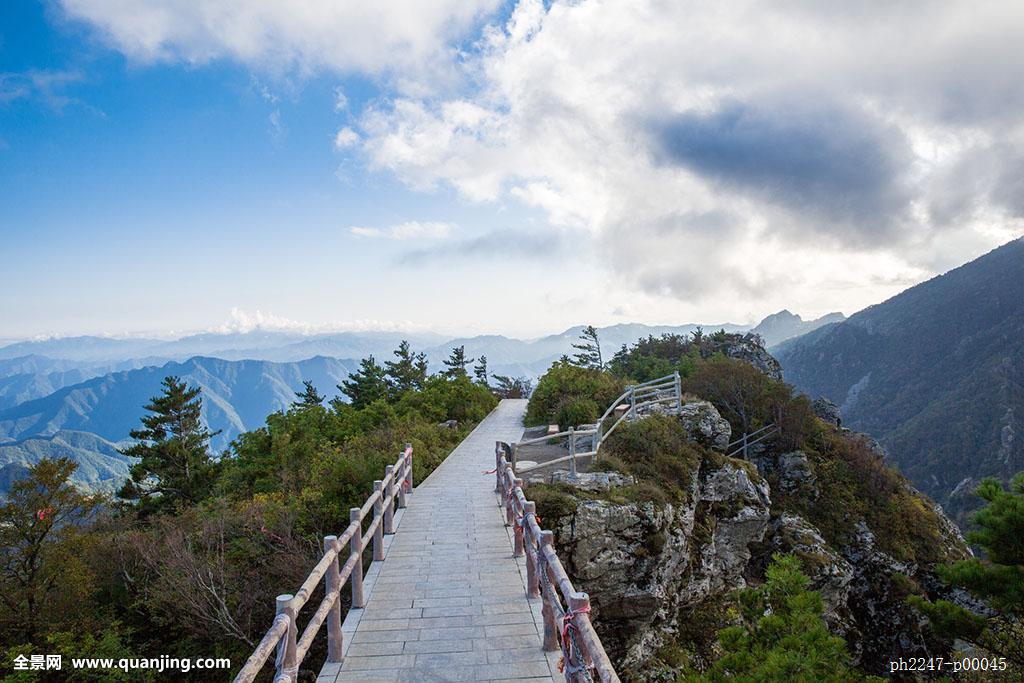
{"x": 705, "y": 425}
{"x": 794, "y": 472}
{"x": 591, "y": 481}
{"x": 827, "y": 411}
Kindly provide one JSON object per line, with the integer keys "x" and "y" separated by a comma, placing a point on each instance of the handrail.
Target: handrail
{"x": 661, "y": 390}
{"x": 748, "y": 440}
{"x": 546, "y": 578}
{"x": 283, "y": 633}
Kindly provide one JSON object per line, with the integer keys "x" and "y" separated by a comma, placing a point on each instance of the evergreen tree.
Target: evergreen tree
{"x": 455, "y": 365}
{"x": 782, "y": 636}
{"x": 480, "y": 372}
{"x": 309, "y": 397}
{"x": 43, "y": 510}
{"x": 588, "y": 350}
{"x": 366, "y": 385}
{"x": 174, "y": 465}
{"x": 998, "y": 579}
{"x": 513, "y": 387}
{"x": 409, "y": 371}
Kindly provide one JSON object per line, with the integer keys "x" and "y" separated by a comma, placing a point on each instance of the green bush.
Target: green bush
{"x": 656, "y": 450}
{"x": 567, "y": 381}
{"x": 573, "y": 411}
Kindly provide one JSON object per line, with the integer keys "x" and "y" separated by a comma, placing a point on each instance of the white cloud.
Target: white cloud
{"x": 405, "y": 231}
{"x": 341, "y": 35}
{"x": 345, "y": 138}
{"x": 741, "y": 149}
{"x": 241, "y": 321}
{"x": 340, "y": 99}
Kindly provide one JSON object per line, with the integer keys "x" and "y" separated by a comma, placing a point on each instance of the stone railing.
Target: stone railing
{"x": 283, "y": 634}
{"x": 566, "y": 627}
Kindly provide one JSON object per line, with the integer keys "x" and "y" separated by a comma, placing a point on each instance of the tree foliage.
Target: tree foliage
{"x": 588, "y": 349}
{"x": 998, "y": 579}
{"x": 175, "y": 467}
{"x": 407, "y": 372}
{"x": 455, "y": 364}
{"x": 366, "y": 385}
{"x": 782, "y": 636}
{"x": 43, "y": 581}
{"x": 565, "y": 381}
{"x": 480, "y": 372}
{"x": 308, "y": 397}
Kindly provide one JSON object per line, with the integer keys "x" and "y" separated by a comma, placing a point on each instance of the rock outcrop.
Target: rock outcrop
{"x": 705, "y": 425}
{"x": 644, "y": 563}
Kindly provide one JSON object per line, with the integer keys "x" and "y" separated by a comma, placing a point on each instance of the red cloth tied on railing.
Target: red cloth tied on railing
{"x": 567, "y": 643}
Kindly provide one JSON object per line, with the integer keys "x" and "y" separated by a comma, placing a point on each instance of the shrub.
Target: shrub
{"x": 574, "y": 410}
{"x": 656, "y": 450}
{"x": 563, "y": 381}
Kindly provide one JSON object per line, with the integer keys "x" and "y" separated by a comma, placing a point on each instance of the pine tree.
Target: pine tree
{"x": 512, "y": 387}
{"x": 782, "y": 636}
{"x": 366, "y": 385}
{"x": 588, "y": 350}
{"x": 309, "y": 397}
{"x": 455, "y": 365}
{"x": 406, "y": 373}
{"x": 480, "y": 372}
{"x": 174, "y": 465}
{"x": 998, "y": 579}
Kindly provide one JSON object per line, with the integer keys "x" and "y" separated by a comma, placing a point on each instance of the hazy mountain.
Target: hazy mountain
{"x": 29, "y": 377}
{"x": 778, "y": 327}
{"x": 237, "y": 396}
{"x": 936, "y": 374}
{"x": 101, "y": 467}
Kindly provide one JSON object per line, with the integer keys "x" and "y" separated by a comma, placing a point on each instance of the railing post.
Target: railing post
{"x": 378, "y": 533}
{"x": 744, "y": 445}
{"x": 408, "y": 472}
{"x": 389, "y": 504}
{"x": 529, "y": 543}
{"x": 497, "y": 467}
{"x": 515, "y": 456}
{"x": 547, "y": 538}
{"x": 579, "y": 604}
{"x": 518, "y": 530}
{"x": 332, "y": 580}
{"x": 507, "y": 484}
{"x": 356, "y": 548}
{"x": 679, "y": 391}
{"x": 401, "y": 490}
{"x": 287, "y": 666}
{"x": 632, "y": 405}
{"x": 572, "y": 453}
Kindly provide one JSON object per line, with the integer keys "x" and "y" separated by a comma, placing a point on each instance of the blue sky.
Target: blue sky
{"x": 514, "y": 167}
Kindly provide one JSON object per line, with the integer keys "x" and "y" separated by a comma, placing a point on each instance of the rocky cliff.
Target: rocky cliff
{"x": 662, "y": 545}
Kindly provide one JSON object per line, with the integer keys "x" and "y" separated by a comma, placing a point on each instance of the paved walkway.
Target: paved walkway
{"x": 449, "y": 601}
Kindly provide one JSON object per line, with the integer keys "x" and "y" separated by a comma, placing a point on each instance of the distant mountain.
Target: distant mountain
{"x": 101, "y": 467}
{"x": 237, "y": 397}
{"x": 29, "y": 377}
{"x": 936, "y": 374}
{"x": 778, "y": 327}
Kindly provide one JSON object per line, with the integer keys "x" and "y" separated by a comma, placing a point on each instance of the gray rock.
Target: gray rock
{"x": 827, "y": 411}
{"x": 705, "y": 425}
{"x": 751, "y": 349}
{"x": 795, "y": 473}
{"x": 591, "y": 481}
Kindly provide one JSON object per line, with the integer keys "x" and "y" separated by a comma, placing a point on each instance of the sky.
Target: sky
{"x": 476, "y": 166}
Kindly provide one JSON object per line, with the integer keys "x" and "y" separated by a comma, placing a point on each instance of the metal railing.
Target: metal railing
{"x": 741, "y": 444}
{"x": 566, "y": 627}
{"x": 635, "y": 401}
{"x": 283, "y": 633}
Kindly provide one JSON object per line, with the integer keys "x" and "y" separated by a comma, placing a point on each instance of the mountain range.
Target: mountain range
{"x": 81, "y": 396}
{"x": 935, "y": 373}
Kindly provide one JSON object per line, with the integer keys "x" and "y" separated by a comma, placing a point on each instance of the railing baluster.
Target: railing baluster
{"x": 332, "y": 584}
{"x": 530, "y": 543}
{"x": 517, "y": 531}
{"x": 389, "y": 504}
{"x": 356, "y": 548}
{"x": 547, "y": 538}
{"x": 378, "y": 510}
{"x": 401, "y": 490}
{"x": 408, "y": 471}
{"x": 287, "y": 666}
